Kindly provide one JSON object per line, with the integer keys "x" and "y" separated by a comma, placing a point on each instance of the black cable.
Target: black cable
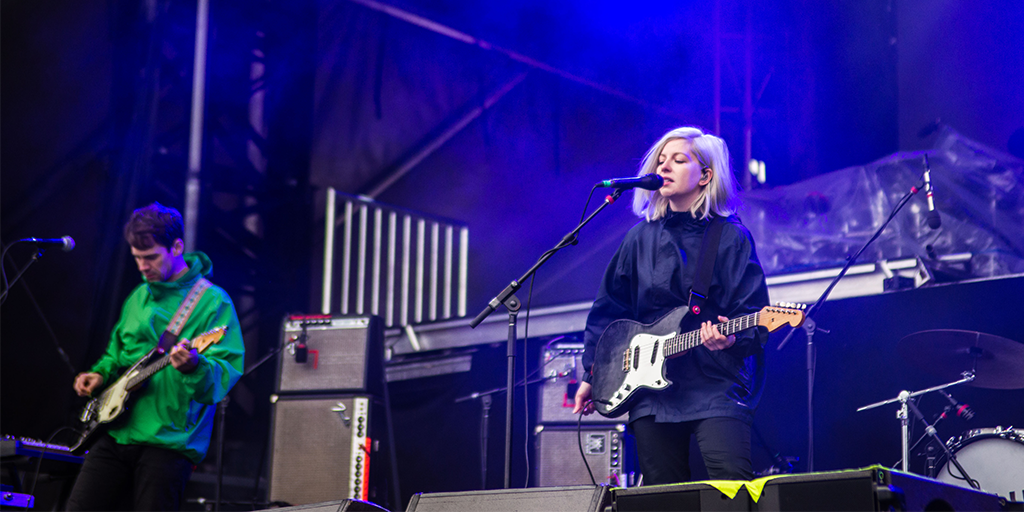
{"x": 526, "y": 387}
{"x": 579, "y": 444}
{"x": 3, "y": 274}
{"x": 39, "y": 465}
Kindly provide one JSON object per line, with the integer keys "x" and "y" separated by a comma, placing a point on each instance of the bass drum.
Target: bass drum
{"x": 992, "y": 456}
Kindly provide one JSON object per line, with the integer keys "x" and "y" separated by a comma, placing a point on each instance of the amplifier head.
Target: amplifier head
{"x": 325, "y": 353}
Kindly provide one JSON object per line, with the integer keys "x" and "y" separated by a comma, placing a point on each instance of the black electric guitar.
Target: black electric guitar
{"x": 630, "y": 356}
{"x": 114, "y": 400}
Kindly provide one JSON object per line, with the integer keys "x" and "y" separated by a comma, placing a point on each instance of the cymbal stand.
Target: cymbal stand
{"x": 904, "y": 398}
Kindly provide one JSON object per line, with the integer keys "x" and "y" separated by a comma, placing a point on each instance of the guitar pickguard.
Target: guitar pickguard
{"x": 643, "y": 367}
{"x": 112, "y": 401}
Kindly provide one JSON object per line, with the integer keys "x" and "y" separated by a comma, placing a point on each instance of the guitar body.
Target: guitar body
{"x": 111, "y": 403}
{"x": 629, "y": 359}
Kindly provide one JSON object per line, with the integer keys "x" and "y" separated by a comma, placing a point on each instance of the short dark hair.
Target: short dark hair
{"x": 153, "y": 224}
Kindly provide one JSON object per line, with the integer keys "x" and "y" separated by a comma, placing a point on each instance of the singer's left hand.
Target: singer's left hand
{"x": 713, "y": 339}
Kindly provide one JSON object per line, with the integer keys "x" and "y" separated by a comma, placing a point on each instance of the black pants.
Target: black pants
{"x": 664, "y": 449}
{"x": 152, "y": 478}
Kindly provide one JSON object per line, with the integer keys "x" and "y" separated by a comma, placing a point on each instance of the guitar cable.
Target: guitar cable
{"x": 579, "y": 444}
{"x": 39, "y": 464}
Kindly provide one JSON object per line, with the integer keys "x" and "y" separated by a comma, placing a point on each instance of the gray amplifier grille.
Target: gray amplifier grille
{"x": 321, "y": 449}
{"x": 558, "y": 456}
{"x": 345, "y": 354}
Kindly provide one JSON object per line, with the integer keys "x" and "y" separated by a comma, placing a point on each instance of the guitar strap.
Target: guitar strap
{"x": 705, "y": 265}
{"x": 170, "y": 337}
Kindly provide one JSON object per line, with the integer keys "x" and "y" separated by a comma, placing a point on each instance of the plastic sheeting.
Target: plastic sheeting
{"x": 820, "y": 222}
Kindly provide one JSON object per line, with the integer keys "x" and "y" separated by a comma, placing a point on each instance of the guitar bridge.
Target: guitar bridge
{"x": 625, "y": 361}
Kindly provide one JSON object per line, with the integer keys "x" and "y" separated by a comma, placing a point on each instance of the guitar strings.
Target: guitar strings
{"x": 693, "y": 337}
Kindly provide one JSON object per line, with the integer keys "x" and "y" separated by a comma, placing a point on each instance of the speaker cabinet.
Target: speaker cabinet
{"x": 562, "y": 364}
{"x": 325, "y": 448}
{"x": 874, "y": 488}
{"x": 558, "y": 455}
{"x": 563, "y": 499}
{"x": 343, "y": 355}
{"x": 335, "y": 506}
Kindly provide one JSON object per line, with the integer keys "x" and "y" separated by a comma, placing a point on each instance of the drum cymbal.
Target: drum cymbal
{"x": 998, "y": 363}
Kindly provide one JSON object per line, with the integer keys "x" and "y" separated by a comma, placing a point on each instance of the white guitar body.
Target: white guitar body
{"x": 643, "y": 367}
{"x": 110, "y": 404}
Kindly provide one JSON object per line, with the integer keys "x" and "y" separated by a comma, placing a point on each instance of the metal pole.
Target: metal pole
{"x": 195, "y": 139}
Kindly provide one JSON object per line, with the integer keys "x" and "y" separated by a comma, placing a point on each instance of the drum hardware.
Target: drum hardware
{"x": 994, "y": 455}
{"x": 906, "y": 405}
{"x": 929, "y": 452}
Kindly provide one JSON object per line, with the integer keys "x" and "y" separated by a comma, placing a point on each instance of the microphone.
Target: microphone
{"x": 65, "y": 243}
{"x": 647, "y": 181}
{"x": 933, "y": 216}
{"x": 962, "y": 410}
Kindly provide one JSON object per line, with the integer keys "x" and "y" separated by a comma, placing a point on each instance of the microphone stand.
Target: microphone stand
{"x": 809, "y": 324}
{"x": 38, "y": 254}
{"x": 508, "y": 299}
{"x": 485, "y": 415}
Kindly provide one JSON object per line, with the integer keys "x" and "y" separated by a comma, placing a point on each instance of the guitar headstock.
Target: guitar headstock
{"x": 773, "y": 317}
{"x": 202, "y": 341}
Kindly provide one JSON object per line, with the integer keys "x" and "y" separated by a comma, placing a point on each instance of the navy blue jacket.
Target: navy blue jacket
{"x": 649, "y": 276}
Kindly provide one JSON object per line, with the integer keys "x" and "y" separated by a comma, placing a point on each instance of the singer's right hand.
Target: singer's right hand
{"x": 86, "y": 383}
{"x": 583, "y": 402}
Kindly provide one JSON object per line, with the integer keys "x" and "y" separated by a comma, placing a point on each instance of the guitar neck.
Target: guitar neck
{"x": 148, "y": 371}
{"x": 683, "y": 342}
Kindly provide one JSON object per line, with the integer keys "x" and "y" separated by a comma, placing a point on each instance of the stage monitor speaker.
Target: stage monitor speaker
{"x": 335, "y": 506}
{"x": 342, "y": 354}
{"x": 545, "y": 499}
{"x": 558, "y": 455}
{"x": 874, "y": 488}
{"x": 562, "y": 365}
{"x": 322, "y": 448}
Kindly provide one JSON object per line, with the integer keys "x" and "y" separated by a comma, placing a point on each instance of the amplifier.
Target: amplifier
{"x": 322, "y": 448}
{"x": 558, "y": 455}
{"x": 327, "y": 353}
{"x": 562, "y": 364}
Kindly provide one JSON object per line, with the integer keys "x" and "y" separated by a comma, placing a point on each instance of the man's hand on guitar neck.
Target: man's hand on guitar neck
{"x": 86, "y": 383}
{"x": 712, "y": 339}
{"x": 183, "y": 358}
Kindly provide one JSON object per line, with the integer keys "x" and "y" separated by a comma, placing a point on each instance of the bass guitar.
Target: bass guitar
{"x": 114, "y": 400}
{"x": 630, "y": 356}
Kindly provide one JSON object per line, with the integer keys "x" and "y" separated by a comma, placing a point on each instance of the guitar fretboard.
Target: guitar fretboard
{"x": 688, "y": 340}
{"x": 148, "y": 371}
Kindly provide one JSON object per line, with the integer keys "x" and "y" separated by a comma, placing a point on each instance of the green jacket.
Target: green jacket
{"x": 174, "y": 410}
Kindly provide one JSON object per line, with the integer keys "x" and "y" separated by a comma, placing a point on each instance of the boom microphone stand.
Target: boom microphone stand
{"x": 508, "y": 299}
{"x": 809, "y": 324}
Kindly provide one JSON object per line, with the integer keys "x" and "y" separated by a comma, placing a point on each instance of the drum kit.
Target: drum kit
{"x": 989, "y": 459}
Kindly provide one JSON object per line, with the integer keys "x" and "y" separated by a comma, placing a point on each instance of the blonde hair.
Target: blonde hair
{"x": 717, "y": 197}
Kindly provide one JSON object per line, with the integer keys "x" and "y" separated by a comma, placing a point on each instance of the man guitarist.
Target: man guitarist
{"x": 716, "y": 385}
{"x": 145, "y": 459}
